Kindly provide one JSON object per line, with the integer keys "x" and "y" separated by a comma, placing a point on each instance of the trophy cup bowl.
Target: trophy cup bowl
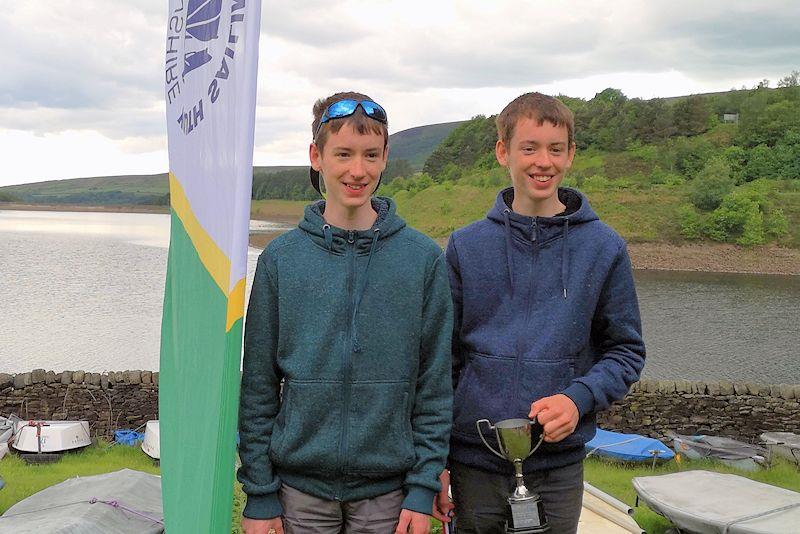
{"x": 515, "y": 439}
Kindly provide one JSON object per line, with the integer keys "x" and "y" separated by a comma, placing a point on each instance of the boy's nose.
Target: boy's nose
{"x": 542, "y": 160}
{"x": 357, "y": 168}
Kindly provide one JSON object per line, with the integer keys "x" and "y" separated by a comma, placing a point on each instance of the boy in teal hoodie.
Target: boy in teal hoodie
{"x": 346, "y": 398}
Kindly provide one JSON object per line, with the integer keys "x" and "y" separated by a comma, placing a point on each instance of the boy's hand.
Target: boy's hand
{"x": 557, "y": 414}
{"x": 262, "y": 526}
{"x": 413, "y": 523}
{"x": 442, "y": 505}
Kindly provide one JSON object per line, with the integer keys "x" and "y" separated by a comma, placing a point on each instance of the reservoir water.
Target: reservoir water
{"x": 83, "y": 291}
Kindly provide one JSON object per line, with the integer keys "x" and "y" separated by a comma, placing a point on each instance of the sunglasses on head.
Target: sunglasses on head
{"x": 345, "y": 108}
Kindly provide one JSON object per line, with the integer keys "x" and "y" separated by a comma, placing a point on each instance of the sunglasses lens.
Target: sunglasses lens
{"x": 342, "y": 108}
{"x": 374, "y": 111}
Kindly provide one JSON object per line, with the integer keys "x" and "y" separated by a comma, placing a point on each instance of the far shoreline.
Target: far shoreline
{"x": 690, "y": 257}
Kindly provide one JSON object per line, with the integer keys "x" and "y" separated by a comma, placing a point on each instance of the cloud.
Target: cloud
{"x": 97, "y": 67}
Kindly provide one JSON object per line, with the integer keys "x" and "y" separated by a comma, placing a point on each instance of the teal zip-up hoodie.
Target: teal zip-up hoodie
{"x": 357, "y": 326}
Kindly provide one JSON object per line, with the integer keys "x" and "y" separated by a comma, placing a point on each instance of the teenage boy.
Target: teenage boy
{"x": 546, "y": 323}
{"x": 351, "y": 312}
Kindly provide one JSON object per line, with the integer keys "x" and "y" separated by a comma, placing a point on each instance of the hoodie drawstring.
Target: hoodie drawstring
{"x": 361, "y": 291}
{"x": 326, "y": 231}
{"x": 509, "y": 250}
{"x": 565, "y": 257}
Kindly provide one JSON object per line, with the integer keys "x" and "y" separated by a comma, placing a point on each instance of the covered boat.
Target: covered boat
{"x": 125, "y": 501}
{"x": 627, "y": 447}
{"x": 6, "y": 433}
{"x": 784, "y": 444}
{"x": 604, "y": 514}
{"x": 50, "y": 436}
{"x": 703, "y": 502}
{"x": 151, "y": 442}
{"x": 728, "y": 451}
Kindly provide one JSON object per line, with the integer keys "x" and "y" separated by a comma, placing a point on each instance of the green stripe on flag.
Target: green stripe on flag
{"x": 197, "y": 355}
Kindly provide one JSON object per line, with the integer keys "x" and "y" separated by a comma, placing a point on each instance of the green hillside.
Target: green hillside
{"x": 721, "y": 167}
{"x": 416, "y": 144}
{"x": 409, "y": 150}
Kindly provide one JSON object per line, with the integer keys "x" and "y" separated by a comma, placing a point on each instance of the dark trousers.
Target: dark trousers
{"x": 481, "y": 498}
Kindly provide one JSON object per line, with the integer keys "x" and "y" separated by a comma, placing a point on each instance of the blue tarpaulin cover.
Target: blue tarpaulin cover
{"x": 128, "y": 437}
{"x": 627, "y": 447}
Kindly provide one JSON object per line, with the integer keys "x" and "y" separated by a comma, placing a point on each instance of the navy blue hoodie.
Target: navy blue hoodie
{"x": 543, "y": 305}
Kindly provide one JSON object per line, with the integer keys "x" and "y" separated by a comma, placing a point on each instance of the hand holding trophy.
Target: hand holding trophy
{"x": 516, "y": 443}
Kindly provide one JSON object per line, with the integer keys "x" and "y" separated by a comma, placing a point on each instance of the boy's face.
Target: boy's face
{"x": 350, "y": 164}
{"x": 537, "y": 156}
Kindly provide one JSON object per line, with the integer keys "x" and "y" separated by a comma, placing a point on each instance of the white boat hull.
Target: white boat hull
{"x": 50, "y": 436}
{"x": 151, "y": 444}
{"x": 783, "y": 444}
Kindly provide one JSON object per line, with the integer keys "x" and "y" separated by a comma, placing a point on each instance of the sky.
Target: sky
{"x": 82, "y": 93}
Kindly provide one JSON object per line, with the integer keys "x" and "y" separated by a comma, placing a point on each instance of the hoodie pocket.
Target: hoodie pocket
{"x": 379, "y": 438}
{"x": 541, "y": 379}
{"x": 484, "y": 391}
{"x": 307, "y": 429}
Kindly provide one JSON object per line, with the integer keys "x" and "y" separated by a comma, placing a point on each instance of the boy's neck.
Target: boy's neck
{"x": 546, "y": 207}
{"x": 360, "y": 218}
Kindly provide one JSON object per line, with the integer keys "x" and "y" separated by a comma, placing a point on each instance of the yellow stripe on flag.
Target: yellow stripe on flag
{"x": 213, "y": 258}
{"x": 235, "y": 304}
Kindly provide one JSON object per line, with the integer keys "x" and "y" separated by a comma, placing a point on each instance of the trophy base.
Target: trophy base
{"x": 526, "y": 516}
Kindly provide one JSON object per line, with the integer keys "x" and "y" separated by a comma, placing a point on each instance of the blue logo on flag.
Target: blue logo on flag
{"x": 202, "y": 24}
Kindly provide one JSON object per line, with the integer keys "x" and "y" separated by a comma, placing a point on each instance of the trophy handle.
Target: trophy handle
{"x": 478, "y": 424}
{"x": 535, "y": 422}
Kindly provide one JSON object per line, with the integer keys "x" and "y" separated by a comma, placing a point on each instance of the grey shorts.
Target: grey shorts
{"x": 306, "y": 514}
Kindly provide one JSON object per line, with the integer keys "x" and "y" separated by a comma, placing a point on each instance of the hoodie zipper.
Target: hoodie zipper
{"x": 531, "y": 290}
{"x": 347, "y": 363}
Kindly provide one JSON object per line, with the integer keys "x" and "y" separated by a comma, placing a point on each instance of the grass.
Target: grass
{"x": 289, "y": 211}
{"x": 23, "y": 480}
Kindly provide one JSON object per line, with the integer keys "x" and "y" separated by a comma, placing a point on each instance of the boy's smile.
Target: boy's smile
{"x": 350, "y": 164}
{"x": 537, "y": 156}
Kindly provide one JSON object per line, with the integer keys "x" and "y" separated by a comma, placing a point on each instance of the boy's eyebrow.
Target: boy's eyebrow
{"x": 351, "y": 149}
{"x": 537, "y": 143}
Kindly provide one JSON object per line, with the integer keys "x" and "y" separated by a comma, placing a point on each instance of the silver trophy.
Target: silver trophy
{"x": 516, "y": 443}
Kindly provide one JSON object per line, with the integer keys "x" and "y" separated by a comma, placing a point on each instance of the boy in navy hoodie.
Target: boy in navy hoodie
{"x": 546, "y": 324}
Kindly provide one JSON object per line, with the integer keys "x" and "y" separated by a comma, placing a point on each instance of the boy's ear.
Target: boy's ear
{"x": 570, "y": 155}
{"x": 314, "y": 156}
{"x": 501, "y": 153}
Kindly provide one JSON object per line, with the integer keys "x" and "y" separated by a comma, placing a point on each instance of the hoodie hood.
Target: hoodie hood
{"x": 538, "y": 231}
{"x": 548, "y": 227}
{"x": 335, "y": 239}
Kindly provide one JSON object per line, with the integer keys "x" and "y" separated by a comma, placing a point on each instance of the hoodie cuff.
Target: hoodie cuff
{"x": 582, "y": 396}
{"x": 419, "y": 499}
{"x": 262, "y": 506}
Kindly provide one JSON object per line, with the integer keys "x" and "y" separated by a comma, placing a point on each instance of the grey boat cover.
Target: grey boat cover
{"x": 121, "y": 502}
{"x": 703, "y": 502}
{"x": 790, "y": 439}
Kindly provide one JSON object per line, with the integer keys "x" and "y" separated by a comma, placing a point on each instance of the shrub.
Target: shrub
{"x": 712, "y": 184}
{"x": 691, "y": 224}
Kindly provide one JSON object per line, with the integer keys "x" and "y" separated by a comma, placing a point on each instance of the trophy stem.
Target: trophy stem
{"x": 521, "y": 491}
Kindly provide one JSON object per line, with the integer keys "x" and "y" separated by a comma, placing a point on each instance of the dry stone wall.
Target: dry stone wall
{"x": 723, "y": 408}
{"x": 109, "y": 401}
{"x": 128, "y": 399}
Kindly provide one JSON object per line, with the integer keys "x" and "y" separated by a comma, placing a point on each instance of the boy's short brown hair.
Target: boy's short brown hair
{"x": 535, "y": 106}
{"x": 358, "y": 120}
